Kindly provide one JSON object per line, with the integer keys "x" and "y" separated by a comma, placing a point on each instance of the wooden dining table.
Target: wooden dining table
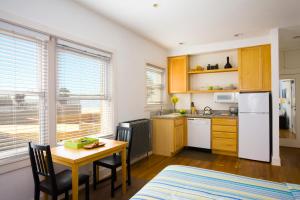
{"x": 75, "y": 158}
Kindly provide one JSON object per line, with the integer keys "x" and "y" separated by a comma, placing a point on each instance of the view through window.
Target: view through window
{"x": 84, "y": 105}
{"x": 23, "y": 91}
{"x": 154, "y": 85}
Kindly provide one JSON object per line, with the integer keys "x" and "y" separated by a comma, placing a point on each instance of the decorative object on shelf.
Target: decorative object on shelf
{"x": 230, "y": 87}
{"x": 210, "y": 87}
{"x": 211, "y": 67}
{"x": 208, "y": 67}
{"x": 174, "y": 101}
{"x": 197, "y": 68}
{"x": 217, "y": 88}
{"x": 227, "y": 65}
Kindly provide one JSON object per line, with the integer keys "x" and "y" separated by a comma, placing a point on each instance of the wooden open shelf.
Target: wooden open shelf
{"x": 210, "y": 91}
{"x": 214, "y": 71}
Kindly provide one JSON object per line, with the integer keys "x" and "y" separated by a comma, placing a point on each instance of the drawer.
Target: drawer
{"x": 221, "y": 128}
{"x": 223, "y": 144}
{"x": 224, "y": 121}
{"x": 228, "y": 135}
{"x": 178, "y": 122}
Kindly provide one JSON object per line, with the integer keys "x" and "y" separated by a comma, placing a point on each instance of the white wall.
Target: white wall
{"x": 274, "y": 38}
{"x": 220, "y": 46}
{"x": 290, "y": 69}
{"x": 69, "y": 20}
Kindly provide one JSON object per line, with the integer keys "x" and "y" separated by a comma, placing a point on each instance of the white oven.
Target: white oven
{"x": 226, "y": 97}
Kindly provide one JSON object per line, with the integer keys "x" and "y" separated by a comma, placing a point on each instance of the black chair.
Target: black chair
{"x": 114, "y": 161}
{"x": 53, "y": 184}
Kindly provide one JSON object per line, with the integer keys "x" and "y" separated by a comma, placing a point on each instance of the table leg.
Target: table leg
{"x": 124, "y": 170}
{"x": 74, "y": 182}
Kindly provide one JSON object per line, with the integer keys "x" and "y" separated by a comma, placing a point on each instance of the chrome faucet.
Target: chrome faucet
{"x": 161, "y": 110}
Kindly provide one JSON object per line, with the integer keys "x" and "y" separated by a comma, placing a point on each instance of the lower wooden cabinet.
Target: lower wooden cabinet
{"x": 168, "y": 135}
{"x": 224, "y": 136}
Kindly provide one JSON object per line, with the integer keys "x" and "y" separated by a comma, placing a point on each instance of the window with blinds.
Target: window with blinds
{"x": 23, "y": 92}
{"x": 84, "y": 105}
{"x": 154, "y": 85}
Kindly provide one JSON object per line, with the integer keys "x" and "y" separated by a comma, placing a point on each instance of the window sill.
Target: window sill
{"x": 14, "y": 164}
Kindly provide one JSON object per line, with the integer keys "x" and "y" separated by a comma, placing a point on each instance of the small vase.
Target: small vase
{"x": 227, "y": 65}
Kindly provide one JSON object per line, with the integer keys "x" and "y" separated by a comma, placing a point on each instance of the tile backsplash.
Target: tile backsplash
{"x": 200, "y": 101}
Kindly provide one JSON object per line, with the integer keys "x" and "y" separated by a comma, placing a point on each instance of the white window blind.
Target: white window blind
{"x": 154, "y": 84}
{"x": 84, "y": 104}
{"x": 23, "y": 92}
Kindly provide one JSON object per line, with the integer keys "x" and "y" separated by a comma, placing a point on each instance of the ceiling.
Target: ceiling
{"x": 195, "y": 22}
{"x": 286, "y": 38}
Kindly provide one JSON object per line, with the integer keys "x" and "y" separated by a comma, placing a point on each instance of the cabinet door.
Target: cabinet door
{"x": 250, "y": 74}
{"x": 266, "y": 67}
{"x": 162, "y": 136}
{"x": 255, "y": 68}
{"x": 178, "y": 137}
{"x": 177, "y": 76}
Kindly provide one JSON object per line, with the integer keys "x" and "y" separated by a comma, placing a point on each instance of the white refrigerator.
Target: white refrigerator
{"x": 254, "y": 126}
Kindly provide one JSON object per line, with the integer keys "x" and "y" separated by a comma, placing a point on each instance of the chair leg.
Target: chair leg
{"x": 94, "y": 176}
{"x": 87, "y": 190}
{"x": 113, "y": 177}
{"x": 67, "y": 195}
{"x": 128, "y": 174}
{"x": 36, "y": 194}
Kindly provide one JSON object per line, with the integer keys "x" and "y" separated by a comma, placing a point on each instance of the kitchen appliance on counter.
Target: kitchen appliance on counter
{"x": 233, "y": 110}
{"x": 254, "y": 126}
{"x": 207, "y": 110}
{"x": 226, "y": 97}
{"x": 199, "y": 132}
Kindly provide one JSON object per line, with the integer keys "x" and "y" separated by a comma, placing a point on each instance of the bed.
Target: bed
{"x": 184, "y": 182}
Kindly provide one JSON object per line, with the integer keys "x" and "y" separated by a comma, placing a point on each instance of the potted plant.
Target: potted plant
{"x": 174, "y": 100}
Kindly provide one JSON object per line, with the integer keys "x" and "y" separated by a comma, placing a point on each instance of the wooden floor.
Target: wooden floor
{"x": 288, "y": 172}
{"x": 286, "y": 133}
{"x": 146, "y": 169}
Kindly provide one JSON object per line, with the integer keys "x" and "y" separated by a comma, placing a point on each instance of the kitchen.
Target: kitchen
{"x": 227, "y": 99}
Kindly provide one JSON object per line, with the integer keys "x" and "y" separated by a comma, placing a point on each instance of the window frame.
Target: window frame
{"x": 21, "y": 33}
{"x": 108, "y": 90}
{"x": 150, "y": 106}
{"x": 15, "y": 163}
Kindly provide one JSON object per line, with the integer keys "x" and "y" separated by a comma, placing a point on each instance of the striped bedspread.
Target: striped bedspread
{"x": 184, "y": 182}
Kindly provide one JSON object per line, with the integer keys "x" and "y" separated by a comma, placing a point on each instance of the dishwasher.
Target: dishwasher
{"x": 199, "y": 132}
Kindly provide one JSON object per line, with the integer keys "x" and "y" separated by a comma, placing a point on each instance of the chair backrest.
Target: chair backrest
{"x": 41, "y": 163}
{"x": 125, "y": 134}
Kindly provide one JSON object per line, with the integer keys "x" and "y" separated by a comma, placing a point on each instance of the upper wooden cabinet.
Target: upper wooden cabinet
{"x": 177, "y": 74}
{"x": 255, "y": 68}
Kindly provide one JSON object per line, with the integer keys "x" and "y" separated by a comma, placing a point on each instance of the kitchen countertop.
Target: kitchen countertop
{"x": 177, "y": 115}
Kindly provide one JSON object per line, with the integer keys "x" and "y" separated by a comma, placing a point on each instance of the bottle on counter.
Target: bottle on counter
{"x": 193, "y": 109}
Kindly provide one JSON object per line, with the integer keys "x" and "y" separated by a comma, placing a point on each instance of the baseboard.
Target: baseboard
{"x": 276, "y": 161}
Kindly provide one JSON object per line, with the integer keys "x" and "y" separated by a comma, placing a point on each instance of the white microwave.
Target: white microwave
{"x": 226, "y": 97}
